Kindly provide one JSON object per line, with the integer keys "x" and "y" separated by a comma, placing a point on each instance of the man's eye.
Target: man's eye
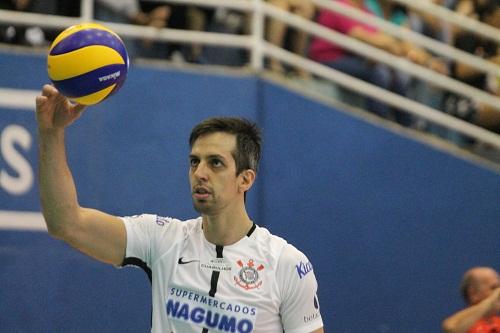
{"x": 216, "y": 163}
{"x": 193, "y": 162}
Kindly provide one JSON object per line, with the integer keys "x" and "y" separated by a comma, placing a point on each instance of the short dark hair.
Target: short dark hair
{"x": 248, "y": 139}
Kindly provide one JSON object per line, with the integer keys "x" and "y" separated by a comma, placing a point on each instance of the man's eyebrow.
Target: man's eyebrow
{"x": 209, "y": 156}
{"x": 217, "y": 156}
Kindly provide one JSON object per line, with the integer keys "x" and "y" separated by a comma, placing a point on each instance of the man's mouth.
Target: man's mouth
{"x": 201, "y": 193}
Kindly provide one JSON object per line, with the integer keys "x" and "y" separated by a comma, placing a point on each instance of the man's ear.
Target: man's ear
{"x": 247, "y": 178}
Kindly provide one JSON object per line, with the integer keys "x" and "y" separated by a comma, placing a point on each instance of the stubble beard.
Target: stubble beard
{"x": 204, "y": 207}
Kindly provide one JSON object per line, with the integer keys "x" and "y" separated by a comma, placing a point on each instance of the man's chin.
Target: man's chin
{"x": 202, "y": 208}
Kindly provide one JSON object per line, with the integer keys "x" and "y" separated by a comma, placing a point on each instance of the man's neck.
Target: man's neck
{"x": 226, "y": 229}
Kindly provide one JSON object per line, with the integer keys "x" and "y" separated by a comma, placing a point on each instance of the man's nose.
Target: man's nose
{"x": 201, "y": 171}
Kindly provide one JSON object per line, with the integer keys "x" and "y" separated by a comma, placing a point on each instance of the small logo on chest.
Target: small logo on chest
{"x": 248, "y": 277}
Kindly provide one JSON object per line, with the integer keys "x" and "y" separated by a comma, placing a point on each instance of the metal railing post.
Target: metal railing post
{"x": 87, "y": 10}
{"x": 257, "y": 56}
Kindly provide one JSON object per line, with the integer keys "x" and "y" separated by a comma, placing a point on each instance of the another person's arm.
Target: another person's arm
{"x": 95, "y": 233}
{"x": 463, "y": 320}
{"x": 377, "y": 39}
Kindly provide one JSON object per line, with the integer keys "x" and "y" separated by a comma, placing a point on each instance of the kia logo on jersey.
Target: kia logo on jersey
{"x": 303, "y": 269}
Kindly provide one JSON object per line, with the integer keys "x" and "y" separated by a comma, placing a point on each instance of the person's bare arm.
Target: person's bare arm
{"x": 95, "y": 233}
{"x": 463, "y": 320}
{"x": 377, "y": 39}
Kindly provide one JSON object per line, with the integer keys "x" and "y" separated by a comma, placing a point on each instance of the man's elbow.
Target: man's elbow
{"x": 58, "y": 229}
{"x": 57, "y": 232}
{"x": 447, "y": 327}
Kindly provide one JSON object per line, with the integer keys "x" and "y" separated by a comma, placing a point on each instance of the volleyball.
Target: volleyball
{"x": 87, "y": 63}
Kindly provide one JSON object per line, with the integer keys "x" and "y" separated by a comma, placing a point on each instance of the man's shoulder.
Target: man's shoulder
{"x": 278, "y": 246}
{"x": 266, "y": 238}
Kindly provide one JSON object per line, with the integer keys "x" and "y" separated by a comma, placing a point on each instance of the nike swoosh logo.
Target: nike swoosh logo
{"x": 182, "y": 262}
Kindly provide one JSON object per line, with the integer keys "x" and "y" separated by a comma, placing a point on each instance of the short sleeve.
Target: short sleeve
{"x": 299, "y": 308}
{"x": 150, "y": 236}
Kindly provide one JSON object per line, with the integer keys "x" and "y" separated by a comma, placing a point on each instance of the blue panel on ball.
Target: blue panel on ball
{"x": 92, "y": 82}
{"x": 89, "y": 37}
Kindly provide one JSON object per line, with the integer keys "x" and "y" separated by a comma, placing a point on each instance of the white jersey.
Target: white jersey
{"x": 260, "y": 284}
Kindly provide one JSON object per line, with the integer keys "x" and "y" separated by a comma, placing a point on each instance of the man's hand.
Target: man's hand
{"x": 463, "y": 320}
{"x": 493, "y": 302}
{"x": 54, "y": 111}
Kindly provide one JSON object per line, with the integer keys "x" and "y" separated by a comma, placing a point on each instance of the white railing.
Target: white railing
{"x": 450, "y": 16}
{"x": 379, "y": 55}
{"x": 416, "y": 38}
{"x": 260, "y": 48}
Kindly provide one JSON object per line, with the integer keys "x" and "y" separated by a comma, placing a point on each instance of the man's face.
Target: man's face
{"x": 488, "y": 281}
{"x": 212, "y": 173}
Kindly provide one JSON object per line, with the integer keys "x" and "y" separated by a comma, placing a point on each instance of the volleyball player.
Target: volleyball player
{"x": 219, "y": 272}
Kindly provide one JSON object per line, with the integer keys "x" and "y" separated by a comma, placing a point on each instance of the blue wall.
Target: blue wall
{"x": 389, "y": 223}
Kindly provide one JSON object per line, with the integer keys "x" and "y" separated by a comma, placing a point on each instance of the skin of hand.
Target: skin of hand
{"x": 438, "y": 65}
{"x": 463, "y": 320}
{"x": 54, "y": 111}
{"x": 493, "y": 302}
{"x": 159, "y": 16}
{"x": 417, "y": 55}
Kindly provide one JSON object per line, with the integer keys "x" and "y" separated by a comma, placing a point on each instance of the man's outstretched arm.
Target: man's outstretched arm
{"x": 95, "y": 233}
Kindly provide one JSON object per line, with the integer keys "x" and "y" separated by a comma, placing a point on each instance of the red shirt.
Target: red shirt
{"x": 489, "y": 325}
{"x": 322, "y": 50}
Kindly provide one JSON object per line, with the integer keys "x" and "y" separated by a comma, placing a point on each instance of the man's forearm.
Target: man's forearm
{"x": 57, "y": 188}
{"x": 463, "y": 320}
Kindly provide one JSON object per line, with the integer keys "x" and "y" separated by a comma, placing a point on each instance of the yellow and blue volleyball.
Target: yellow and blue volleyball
{"x": 87, "y": 63}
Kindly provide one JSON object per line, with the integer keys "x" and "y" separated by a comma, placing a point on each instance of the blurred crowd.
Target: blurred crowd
{"x": 177, "y": 16}
{"x": 336, "y": 57}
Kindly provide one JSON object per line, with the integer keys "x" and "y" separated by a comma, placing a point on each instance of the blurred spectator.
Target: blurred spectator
{"x": 21, "y": 35}
{"x": 155, "y": 15}
{"x": 480, "y": 289}
{"x": 10, "y": 33}
{"x": 486, "y": 11}
{"x": 231, "y": 22}
{"x": 178, "y": 19}
{"x": 423, "y": 91}
{"x": 223, "y": 20}
{"x": 355, "y": 65}
{"x": 277, "y": 31}
{"x": 63, "y": 8}
{"x": 199, "y": 19}
{"x": 395, "y": 14}
{"x": 489, "y": 117}
{"x": 129, "y": 11}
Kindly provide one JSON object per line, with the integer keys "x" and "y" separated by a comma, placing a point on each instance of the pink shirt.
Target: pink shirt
{"x": 324, "y": 51}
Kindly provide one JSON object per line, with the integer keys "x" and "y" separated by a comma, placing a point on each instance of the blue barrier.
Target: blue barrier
{"x": 388, "y": 223}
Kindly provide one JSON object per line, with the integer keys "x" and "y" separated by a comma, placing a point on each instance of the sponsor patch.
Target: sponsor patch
{"x": 215, "y": 314}
{"x": 161, "y": 221}
{"x": 315, "y": 315}
{"x": 216, "y": 264}
{"x": 303, "y": 268}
